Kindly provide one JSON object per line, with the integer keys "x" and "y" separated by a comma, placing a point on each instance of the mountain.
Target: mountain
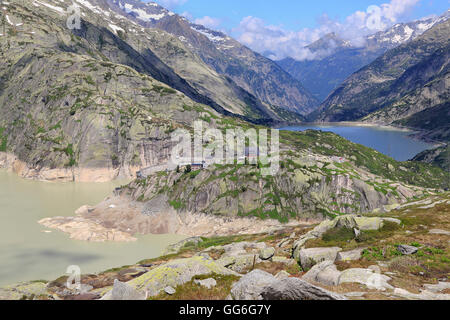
{"x": 432, "y": 123}
{"x": 335, "y": 59}
{"x": 404, "y": 81}
{"x": 322, "y": 76}
{"x": 84, "y": 104}
{"x": 249, "y": 70}
{"x": 439, "y": 157}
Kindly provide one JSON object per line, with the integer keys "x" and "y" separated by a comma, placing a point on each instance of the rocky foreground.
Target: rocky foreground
{"x": 403, "y": 254}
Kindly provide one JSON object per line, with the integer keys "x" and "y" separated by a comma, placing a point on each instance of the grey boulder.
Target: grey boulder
{"x": 169, "y": 290}
{"x": 207, "y": 283}
{"x": 123, "y": 291}
{"x": 325, "y": 273}
{"x": 266, "y": 253}
{"x": 249, "y": 287}
{"x": 350, "y": 255}
{"x": 310, "y": 257}
{"x": 297, "y": 289}
{"x": 407, "y": 250}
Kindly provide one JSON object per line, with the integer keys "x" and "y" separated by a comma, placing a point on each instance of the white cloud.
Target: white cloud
{"x": 208, "y": 22}
{"x": 186, "y": 15}
{"x": 254, "y": 32}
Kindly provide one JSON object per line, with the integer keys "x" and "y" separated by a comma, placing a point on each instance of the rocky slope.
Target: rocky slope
{"x": 249, "y": 70}
{"x": 336, "y": 59}
{"x": 89, "y": 107}
{"x": 400, "y": 255}
{"x": 439, "y": 157}
{"x": 100, "y": 102}
{"x": 320, "y": 176}
{"x": 406, "y": 80}
{"x": 310, "y": 183}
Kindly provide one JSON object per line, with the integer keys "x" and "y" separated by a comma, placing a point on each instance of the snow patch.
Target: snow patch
{"x": 115, "y": 28}
{"x": 55, "y": 8}
{"x": 93, "y": 8}
{"x": 208, "y": 35}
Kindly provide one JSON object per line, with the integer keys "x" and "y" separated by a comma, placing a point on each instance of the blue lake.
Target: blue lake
{"x": 390, "y": 141}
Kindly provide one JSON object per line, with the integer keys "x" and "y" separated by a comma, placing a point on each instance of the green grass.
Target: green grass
{"x": 3, "y": 140}
{"x": 192, "y": 291}
{"x": 177, "y": 205}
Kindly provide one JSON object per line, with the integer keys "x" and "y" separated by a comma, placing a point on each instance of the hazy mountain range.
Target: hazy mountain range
{"x": 338, "y": 58}
{"x": 411, "y": 78}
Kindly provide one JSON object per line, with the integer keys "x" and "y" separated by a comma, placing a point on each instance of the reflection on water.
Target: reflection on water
{"x": 29, "y": 253}
{"x": 389, "y": 141}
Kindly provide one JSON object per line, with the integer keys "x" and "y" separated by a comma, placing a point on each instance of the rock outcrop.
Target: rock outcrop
{"x": 176, "y": 272}
{"x": 312, "y": 256}
{"x": 371, "y": 278}
{"x": 83, "y": 229}
{"x": 250, "y": 286}
{"x": 352, "y": 222}
{"x": 297, "y": 289}
{"x": 325, "y": 273}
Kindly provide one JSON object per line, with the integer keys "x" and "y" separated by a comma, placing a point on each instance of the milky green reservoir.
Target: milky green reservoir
{"x": 28, "y": 253}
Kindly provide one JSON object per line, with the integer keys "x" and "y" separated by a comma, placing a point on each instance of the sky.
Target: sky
{"x": 284, "y": 27}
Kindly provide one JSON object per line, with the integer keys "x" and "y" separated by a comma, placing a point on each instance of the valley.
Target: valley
{"x": 354, "y": 184}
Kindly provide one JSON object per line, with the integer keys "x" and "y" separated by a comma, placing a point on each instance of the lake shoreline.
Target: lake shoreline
{"x": 122, "y": 219}
{"x": 399, "y": 143}
{"x": 415, "y": 133}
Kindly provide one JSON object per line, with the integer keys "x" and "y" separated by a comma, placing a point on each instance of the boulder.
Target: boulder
{"x": 325, "y": 273}
{"x": 239, "y": 263}
{"x": 298, "y": 245}
{"x": 351, "y": 221}
{"x": 366, "y": 223}
{"x": 266, "y": 253}
{"x": 297, "y": 289}
{"x": 424, "y": 295}
{"x": 123, "y": 291}
{"x": 242, "y": 248}
{"x": 347, "y": 221}
{"x": 27, "y": 290}
{"x": 250, "y": 286}
{"x": 407, "y": 250}
{"x": 207, "y": 283}
{"x": 310, "y": 257}
{"x": 397, "y": 221}
{"x": 287, "y": 261}
{"x": 439, "y": 231}
{"x": 436, "y": 288}
{"x": 169, "y": 290}
{"x": 282, "y": 275}
{"x": 367, "y": 277}
{"x": 177, "y": 272}
{"x": 350, "y": 255}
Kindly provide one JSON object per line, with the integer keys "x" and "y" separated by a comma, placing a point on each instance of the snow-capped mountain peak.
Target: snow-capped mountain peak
{"x": 145, "y": 12}
{"x": 404, "y": 32}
